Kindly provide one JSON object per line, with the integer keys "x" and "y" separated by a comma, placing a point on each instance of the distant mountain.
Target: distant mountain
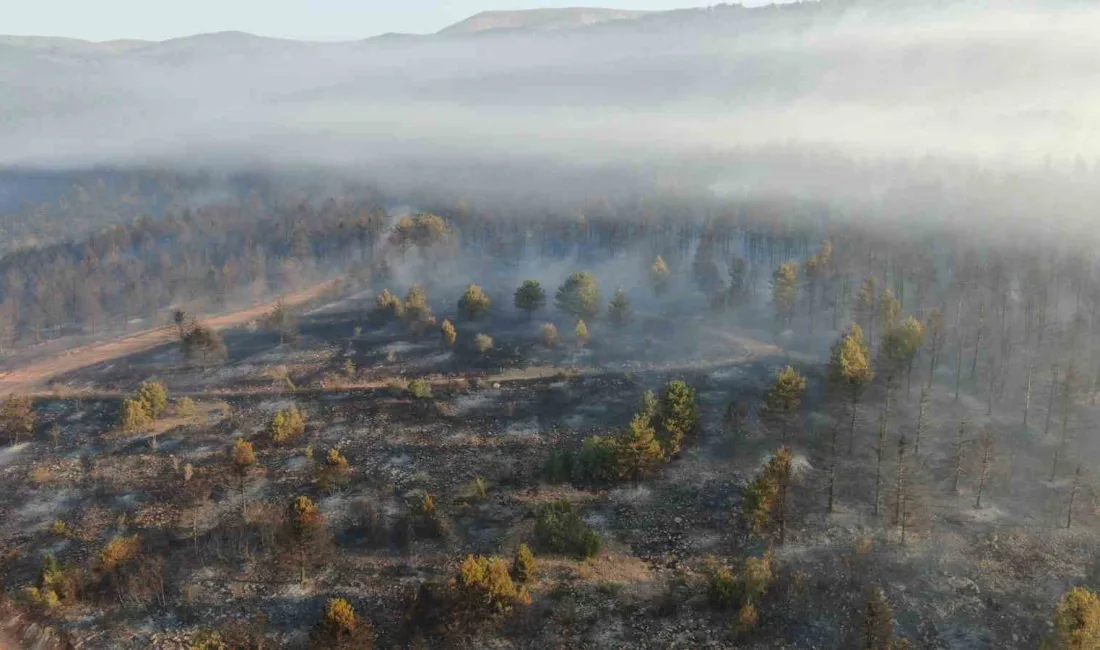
{"x": 539, "y": 19}
{"x": 869, "y": 75}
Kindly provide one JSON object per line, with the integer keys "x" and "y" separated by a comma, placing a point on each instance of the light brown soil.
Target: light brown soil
{"x": 34, "y": 374}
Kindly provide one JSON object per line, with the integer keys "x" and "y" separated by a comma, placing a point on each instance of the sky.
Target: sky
{"x": 301, "y": 19}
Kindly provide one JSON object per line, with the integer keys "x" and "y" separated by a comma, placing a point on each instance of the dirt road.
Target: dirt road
{"x": 36, "y": 373}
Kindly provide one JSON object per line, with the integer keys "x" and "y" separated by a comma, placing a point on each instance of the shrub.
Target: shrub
{"x": 474, "y": 303}
{"x": 334, "y": 474}
{"x": 340, "y": 618}
{"x": 479, "y": 489}
{"x": 397, "y": 386}
{"x": 387, "y": 307}
{"x": 487, "y": 579}
{"x": 523, "y": 564}
{"x": 580, "y": 334}
{"x": 119, "y": 551}
{"x": 55, "y": 585}
{"x": 548, "y": 334}
{"x": 61, "y": 529}
{"x": 133, "y": 415}
{"x": 559, "y": 466}
{"x": 560, "y": 529}
{"x": 418, "y": 313}
{"x": 242, "y": 456}
{"x": 208, "y": 640}
{"x": 747, "y": 618}
{"x": 185, "y": 408}
{"x": 722, "y": 589}
{"x": 426, "y": 508}
{"x": 483, "y": 343}
{"x": 599, "y": 461}
{"x": 420, "y": 389}
{"x": 287, "y": 425}
{"x": 448, "y": 333}
{"x": 17, "y": 416}
{"x": 1077, "y": 619}
{"x": 155, "y": 397}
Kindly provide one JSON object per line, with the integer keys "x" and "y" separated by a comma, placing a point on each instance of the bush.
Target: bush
{"x": 483, "y": 343}
{"x": 185, "y": 408}
{"x": 56, "y": 586}
{"x": 119, "y": 551}
{"x": 287, "y": 425}
{"x": 341, "y": 626}
{"x": 559, "y": 466}
{"x": 523, "y": 564}
{"x": 479, "y": 489}
{"x": 474, "y": 303}
{"x": 387, "y": 307}
{"x": 599, "y": 461}
{"x": 241, "y": 455}
{"x": 61, "y": 529}
{"x": 334, "y": 474}
{"x": 560, "y": 529}
{"x": 747, "y": 618}
{"x": 420, "y": 389}
{"x": 208, "y": 640}
{"x": 1077, "y": 619}
{"x": 580, "y": 334}
{"x": 488, "y": 579}
{"x": 548, "y": 334}
{"x": 425, "y": 520}
{"x": 155, "y": 397}
{"x": 448, "y": 333}
{"x": 727, "y": 590}
{"x": 722, "y": 588}
{"x": 133, "y": 415}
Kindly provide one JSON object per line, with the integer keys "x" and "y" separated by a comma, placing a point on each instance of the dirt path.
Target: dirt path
{"x": 38, "y": 372}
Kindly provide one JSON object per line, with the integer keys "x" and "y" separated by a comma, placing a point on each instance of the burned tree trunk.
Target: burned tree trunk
{"x": 832, "y": 467}
{"x": 1074, "y": 487}
{"x": 1027, "y": 391}
{"x": 988, "y": 449}
{"x": 961, "y": 444}
{"x": 881, "y": 445}
{"x": 920, "y": 421}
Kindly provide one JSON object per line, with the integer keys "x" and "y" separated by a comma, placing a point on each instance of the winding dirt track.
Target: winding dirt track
{"x": 35, "y": 373}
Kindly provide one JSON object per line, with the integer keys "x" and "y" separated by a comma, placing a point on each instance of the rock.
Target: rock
{"x": 678, "y": 520}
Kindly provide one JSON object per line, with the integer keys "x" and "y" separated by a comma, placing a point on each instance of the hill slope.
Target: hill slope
{"x": 539, "y": 19}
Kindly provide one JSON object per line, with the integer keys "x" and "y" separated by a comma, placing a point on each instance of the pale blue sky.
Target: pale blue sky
{"x": 306, "y": 19}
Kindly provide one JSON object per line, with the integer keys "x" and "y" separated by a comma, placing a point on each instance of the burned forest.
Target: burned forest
{"x": 732, "y": 327}
{"x": 672, "y": 420}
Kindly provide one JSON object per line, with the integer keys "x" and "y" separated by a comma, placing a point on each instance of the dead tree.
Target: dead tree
{"x": 1050, "y": 400}
{"x": 978, "y": 340}
{"x": 961, "y": 443}
{"x": 901, "y": 490}
{"x": 924, "y": 397}
{"x": 1073, "y": 489}
{"x": 880, "y": 446}
{"x": 832, "y": 464}
{"x": 988, "y": 448}
{"x": 1069, "y": 383}
{"x": 1027, "y": 391}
